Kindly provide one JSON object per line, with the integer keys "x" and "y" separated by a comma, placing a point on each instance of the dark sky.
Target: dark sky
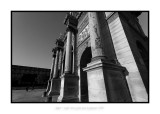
{"x": 34, "y": 35}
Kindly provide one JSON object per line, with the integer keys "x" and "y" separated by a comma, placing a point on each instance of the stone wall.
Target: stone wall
{"x": 123, "y": 41}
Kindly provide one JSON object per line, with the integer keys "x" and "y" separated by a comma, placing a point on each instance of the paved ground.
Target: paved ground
{"x": 30, "y": 96}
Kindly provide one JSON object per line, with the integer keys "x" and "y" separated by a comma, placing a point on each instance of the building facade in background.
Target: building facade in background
{"x": 23, "y": 76}
{"x": 102, "y": 57}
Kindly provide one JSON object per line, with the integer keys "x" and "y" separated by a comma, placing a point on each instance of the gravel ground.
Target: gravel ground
{"x": 30, "y": 96}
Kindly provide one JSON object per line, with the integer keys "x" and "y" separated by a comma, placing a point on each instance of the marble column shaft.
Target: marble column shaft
{"x": 55, "y": 74}
{"x": 60, "y": 61}
{"x": 68, "y": 56}
{"x": 51, "y": 74}
{"x": 52, "y": 67}
{"x": 73, "y": 56}
{"x": 62, "y": 66}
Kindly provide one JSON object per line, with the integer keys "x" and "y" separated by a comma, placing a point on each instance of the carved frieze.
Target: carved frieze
{"x": 82, "y": 16}
{"x": 83, "y": 35}
{"x": 82, "y": 24}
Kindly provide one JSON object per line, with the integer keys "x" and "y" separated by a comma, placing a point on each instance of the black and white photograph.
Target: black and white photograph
{"x": 80, "y": 56}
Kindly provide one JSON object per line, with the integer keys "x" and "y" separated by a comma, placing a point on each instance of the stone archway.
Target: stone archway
{"x": 85, "y": 59}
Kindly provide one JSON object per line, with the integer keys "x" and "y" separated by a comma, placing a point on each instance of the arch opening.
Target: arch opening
{"x": 85, "y": 59}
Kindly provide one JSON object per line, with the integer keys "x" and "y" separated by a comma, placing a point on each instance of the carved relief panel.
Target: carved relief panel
{"x": 83, "y": 35}
{"x": 83, "y": 29}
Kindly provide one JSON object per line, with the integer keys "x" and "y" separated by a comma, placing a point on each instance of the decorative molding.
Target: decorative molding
{"x": 82, "y": 24}
{"x": 71, "y": 22}
{"x": 81, "y": 16}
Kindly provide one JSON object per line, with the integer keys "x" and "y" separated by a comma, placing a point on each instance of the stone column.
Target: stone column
{"x": 74, "y": 54}
{"x": 101, "y": 42}
{"x": 55, "y": 81}
{"x": 51, "y": 73}
{"x": 94, "y": 29}
{"x": 55, "y": 75}
{"x": 52, "y": 68}
{"x": 104, "y": 76}
{"x": 68, "y": 56}
{"x": 69, "y": 82}
{"x": 53, "y": 63}
{"x": 73, "y": 60}
{"x": 60, "y": 62}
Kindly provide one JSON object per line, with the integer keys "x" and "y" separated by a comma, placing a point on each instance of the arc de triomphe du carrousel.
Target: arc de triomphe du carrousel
{"x": 101, "y": 57}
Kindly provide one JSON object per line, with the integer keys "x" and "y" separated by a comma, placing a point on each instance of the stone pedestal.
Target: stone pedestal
{"x": 55, "y": 87}
{"x": 69, "y": 88}
{"x": 48, "y": 99}
{"x": 107, "y": 82}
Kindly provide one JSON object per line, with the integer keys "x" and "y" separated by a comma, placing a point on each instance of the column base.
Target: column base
{"x": 51, "y": 99}
{"x": 55, "y": 87}
{"x": 69, "y": 88}
{"x": 107, "y": 82}
{"x": 68, "y": 99}
{"x": 45, "y": 93}
{"x": 48, "y": 99}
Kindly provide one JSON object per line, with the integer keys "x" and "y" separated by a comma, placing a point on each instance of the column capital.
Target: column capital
{"x": 54, "y": 52}
{"x": 72, "y": 29}
{"x": 59, "y": 48}
{"x": 59, "y": 41}
{"x": 54, "y": 55}
{"x": 71, "y": 22}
